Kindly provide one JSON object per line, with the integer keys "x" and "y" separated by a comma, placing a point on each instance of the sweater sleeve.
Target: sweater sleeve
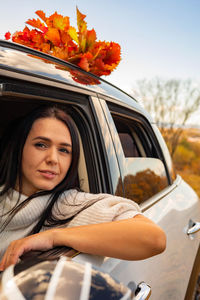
{"x": 106, "y": 208}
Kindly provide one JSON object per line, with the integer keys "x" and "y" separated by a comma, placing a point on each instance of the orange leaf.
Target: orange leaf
{"x": 37, "y": 37}
{"x": 65, "y": 38}
{"x": 35, "y": 23}
{"x": 60, "y": 53}
{"x": 84, "y": 64}
{"x": 53, "y": 36}
{"x": 41, "y": 14}
{"x": 58, "y": 21}
{"x": 45, "y": 47}
{"x": 61, "y": 23}
{"x": 90, "y": 39}
{"x": 80, "y": 18}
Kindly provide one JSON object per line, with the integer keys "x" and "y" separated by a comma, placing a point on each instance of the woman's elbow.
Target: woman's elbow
{"x": 158, "y": 242}
{"x": 152, "y": 242}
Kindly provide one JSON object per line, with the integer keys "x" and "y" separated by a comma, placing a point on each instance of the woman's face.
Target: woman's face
{"x": 46, "y": 156}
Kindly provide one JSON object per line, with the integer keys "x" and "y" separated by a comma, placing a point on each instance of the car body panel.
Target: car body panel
{"x": 174, "y": 266}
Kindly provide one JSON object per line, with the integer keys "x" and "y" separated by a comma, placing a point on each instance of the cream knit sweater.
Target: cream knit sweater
{"x": 85, "y": 207}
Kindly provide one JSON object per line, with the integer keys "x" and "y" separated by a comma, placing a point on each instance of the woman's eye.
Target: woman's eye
{"x": 40, "y": 145}
{"x": 64, "y": 150}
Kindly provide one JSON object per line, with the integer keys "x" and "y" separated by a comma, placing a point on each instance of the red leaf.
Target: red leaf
{"x": 7, "y": 35}
{"x": 113, "y": 52}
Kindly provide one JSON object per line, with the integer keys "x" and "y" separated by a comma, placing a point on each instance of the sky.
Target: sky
{"x": 158, "y": 38}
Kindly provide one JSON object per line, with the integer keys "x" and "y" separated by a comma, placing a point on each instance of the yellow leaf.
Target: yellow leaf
{"x": 83, "y": 44}
{"x": 73, "y": 34}
{"x": 61, "y": 22}
{"x": 80, "y": 18}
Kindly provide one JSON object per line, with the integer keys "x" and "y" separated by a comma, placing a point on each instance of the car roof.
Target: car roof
{"x": 16, "y": 60}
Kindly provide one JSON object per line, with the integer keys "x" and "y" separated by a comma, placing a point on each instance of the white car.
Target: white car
{"x": 123, "y": 153}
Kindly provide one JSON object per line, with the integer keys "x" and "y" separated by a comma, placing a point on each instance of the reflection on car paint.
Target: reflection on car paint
{"x": 62, "y": 279}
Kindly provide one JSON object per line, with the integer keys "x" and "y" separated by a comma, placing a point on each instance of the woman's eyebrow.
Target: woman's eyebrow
{"x": 49, "y": 140}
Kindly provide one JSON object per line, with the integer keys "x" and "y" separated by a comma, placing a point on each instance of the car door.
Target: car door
{"x": 147, "y": 177}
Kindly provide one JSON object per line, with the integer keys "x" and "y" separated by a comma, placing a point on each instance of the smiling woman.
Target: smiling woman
{"x": 40, "y": 192}
{"x": 46, "y": 156}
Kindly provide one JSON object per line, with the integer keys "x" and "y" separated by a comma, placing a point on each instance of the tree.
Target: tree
{"x": 171, "y": 103}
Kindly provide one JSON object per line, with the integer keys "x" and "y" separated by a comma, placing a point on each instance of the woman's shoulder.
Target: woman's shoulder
{"x": 88, "y": 208}
{"x": 78, "y": 197}
{"x": 99, "y": 208}
{"x": 85, "y": 199}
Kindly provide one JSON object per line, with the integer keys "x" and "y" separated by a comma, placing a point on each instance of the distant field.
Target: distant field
{"x": 192, "y": 134}
{"x": 187, "y": 158}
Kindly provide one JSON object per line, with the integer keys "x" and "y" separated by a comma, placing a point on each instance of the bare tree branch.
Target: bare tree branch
{"x": 171, "y": 103}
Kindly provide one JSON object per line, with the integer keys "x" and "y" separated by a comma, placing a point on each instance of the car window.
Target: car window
{"x": 144, "y": 173}
{"x": 129, "y": 140}
{"x": 143, "y": 170}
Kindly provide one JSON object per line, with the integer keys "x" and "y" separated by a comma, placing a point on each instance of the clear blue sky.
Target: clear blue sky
{"x": 157, "y": 37}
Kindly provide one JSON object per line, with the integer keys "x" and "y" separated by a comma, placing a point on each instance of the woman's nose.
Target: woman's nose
{"x": 52, "y": 156}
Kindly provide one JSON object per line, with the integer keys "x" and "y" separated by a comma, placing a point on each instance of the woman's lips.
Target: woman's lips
{"x": 48, "y": 174}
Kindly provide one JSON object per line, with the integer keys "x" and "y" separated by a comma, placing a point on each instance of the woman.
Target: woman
{"x": 41, "y": 206}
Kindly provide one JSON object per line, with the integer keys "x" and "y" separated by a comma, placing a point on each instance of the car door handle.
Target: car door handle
{"x": 143, "y": 291}
{"x": 194, "y": 228}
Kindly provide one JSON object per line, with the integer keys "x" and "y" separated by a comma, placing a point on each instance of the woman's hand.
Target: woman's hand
{"x": 39, "y": 241}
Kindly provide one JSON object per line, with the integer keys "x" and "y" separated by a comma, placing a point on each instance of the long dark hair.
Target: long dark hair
{"x": 11, "y": 149}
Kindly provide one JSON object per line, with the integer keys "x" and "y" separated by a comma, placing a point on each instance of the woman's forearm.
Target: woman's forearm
{"x": 132, "y": 239}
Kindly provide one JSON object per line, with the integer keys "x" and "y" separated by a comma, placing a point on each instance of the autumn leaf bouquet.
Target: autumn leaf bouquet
{"x": 54, "y": 35}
